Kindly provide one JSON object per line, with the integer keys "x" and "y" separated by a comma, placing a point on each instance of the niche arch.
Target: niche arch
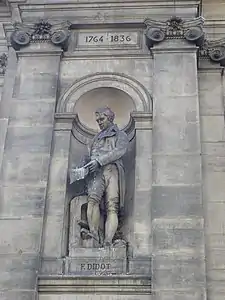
{"x": 136, "y": 91}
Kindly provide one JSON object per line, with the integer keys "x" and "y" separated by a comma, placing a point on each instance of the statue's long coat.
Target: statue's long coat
{"x": 108, "y": 147}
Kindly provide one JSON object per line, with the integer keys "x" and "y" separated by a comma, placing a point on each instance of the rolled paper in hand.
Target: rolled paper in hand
{"x": 78, "y": 174}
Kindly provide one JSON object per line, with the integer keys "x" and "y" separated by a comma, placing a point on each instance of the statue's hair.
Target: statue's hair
{"x": 107, "y": 112}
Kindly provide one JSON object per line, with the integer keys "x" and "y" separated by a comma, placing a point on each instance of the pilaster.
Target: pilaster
{"x": 178, "y": 258}
{"x": 140, "y": 262}
{"x": 27, "y": 152}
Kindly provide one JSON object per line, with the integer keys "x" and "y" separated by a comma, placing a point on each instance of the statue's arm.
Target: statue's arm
{"x": 120, "y": 149}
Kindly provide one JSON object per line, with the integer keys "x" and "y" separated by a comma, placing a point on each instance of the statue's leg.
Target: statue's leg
{"x": 93, "y": 215}
{"x": 112, "y": 203}
{"x": 95, "y": 192}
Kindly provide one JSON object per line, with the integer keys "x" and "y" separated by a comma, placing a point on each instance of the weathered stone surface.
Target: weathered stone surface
{"x": 177, "y": 238}
{"x": 215, "y": 220}
{"x": 183, "y": 135}
{"x": 176, "y": 169}
{"x": 53, "y": 232}
{"x": 172, "y": 294}
{"x": 33, "y": 139}
{"x": 182, "y": 272}
{"x": 25, "y": 168}
{"x": 18, "y": 271}
{"x": 19, "y": 201}
{"x": 213, "y": 186}
{"x": 16, "y": 295}
{"x": 16, "y": 238}
{"x": 210, "y": 88}
{"x": 32, "y": 113}
{"x": 3, "y": 126}
{"x": 140, "y": 265}
{"x": 52, "y": 266}
{"x": 180, "y": 78}
{"x": 212, "y": 128}
{"x": 58, "y": 172}
{"x": 213, "y": 163}
{"x": 37, "y": 81}
{"x": 213, "y": 148}
{"x": 176, "y": 201}
{"x": 61, "y": 141}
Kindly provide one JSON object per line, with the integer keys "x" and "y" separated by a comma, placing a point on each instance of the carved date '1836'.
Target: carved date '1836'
{"x": 112, "y": 38}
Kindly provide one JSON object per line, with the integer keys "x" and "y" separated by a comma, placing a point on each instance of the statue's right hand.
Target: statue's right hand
{"x": 92, "y": 165}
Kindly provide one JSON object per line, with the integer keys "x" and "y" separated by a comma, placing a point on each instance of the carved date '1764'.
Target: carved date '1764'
{"x": 112, "y": 38}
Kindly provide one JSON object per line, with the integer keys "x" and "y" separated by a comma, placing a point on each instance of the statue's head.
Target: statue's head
{"x": 104, "y": 117}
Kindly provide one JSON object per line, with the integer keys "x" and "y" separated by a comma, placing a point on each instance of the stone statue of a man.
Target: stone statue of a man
{"x": 106, "y": 180}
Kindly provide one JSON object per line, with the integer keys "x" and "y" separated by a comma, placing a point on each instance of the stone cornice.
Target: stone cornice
{"x": 92, "y": 12}
{"x": 124, "y": 284}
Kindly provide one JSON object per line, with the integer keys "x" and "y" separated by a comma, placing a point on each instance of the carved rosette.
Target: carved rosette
{"x": 174, "y": 28}
{"x": 42, "y": 31}
{"x": 3, "y": 63}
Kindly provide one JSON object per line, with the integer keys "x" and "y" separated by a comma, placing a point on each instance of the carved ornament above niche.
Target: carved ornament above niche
{"x": 41, "y": 31}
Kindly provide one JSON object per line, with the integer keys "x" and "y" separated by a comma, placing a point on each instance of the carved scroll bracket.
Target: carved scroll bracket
{"x": 42, "y": 31}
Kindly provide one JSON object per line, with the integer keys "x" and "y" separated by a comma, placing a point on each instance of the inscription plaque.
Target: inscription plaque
{"x": 108, "y": 39}
{"x": 95, "y": 266}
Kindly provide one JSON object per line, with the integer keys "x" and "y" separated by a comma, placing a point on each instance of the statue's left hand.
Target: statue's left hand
{"x": 92, "y": 165}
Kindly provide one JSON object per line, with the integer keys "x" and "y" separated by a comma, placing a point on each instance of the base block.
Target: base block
{"x": 97, "y": 261}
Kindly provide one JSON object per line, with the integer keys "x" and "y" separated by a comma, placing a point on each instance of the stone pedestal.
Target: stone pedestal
{"x": 97, "y": 261}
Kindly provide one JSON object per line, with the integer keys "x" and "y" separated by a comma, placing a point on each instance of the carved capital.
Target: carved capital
{"x": 143, "y": 120}
{"x": 41, "y": 31}
{"x": 174, "y": 28}
{"x": 3, "y": 63}
{"x": 214, "y": 50}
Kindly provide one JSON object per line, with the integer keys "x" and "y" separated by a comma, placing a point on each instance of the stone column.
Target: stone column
{"x": 178, "y": 263}
{"x": 25, "y": 165}
{"x": 141, "y": 218}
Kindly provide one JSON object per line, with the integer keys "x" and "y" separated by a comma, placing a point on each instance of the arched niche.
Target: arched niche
{"x": 140, "y": 97}
{"x": 124, "y": 95}
{"x": 120, "y": 102}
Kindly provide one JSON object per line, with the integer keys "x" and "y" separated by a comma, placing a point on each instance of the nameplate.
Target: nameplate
{"x": 95, "y": 266}
{"x": 108, "y": 39}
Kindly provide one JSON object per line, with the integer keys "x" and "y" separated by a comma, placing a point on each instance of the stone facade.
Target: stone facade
{"x": 160, "y": 66}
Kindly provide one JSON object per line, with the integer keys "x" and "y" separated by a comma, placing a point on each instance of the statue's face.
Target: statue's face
{"x": 102, "y": 121}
